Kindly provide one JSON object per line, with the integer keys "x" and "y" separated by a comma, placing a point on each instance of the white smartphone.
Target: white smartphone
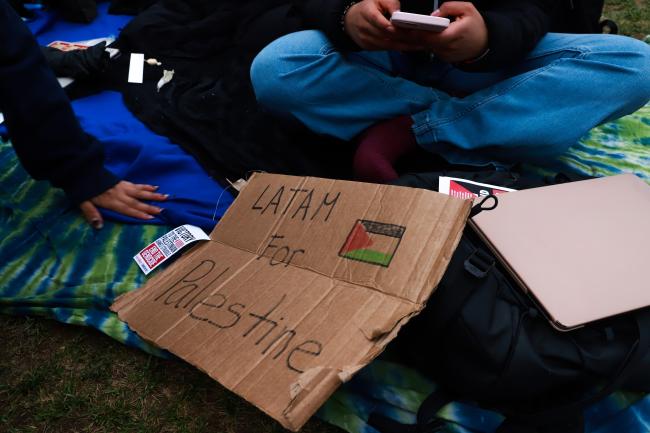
{"x": 408, "y": 20}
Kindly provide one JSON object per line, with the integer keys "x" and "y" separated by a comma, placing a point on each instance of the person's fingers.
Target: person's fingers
{"x": 125, "y": 198}
{"x": 389, "y": 6}
{"x": 147, "y": 187}
{"x": 380, "y": 39}
{"x": 378, "y": 21}
{"x": 142, "y": 206}
{"x": 147, "y": 195}
{"x": 132, "y": 207}
{"x": 138, "y": 191}
{"x": 454, "y": 9}
{"x": 133, "y": 212}
{"x": 91, "y": 214}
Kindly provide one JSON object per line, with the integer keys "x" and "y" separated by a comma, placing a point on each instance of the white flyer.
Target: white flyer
{"x": 136, "y": 68}
{"x": 167, "y": 245}
{"x": 468, "y": 189}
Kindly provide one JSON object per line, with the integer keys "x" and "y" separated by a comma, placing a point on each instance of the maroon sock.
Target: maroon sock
{"x": 380, "y": 146}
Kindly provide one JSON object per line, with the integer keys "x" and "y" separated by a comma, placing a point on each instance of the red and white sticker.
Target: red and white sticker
{"x": 167, "y": 245}
{"x": 467, "y": 189}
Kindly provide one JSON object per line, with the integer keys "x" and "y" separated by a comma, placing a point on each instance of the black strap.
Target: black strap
{"x": 478, "y": 208}
{"x": 632, "y": 362}
{"x": 432, "y": 404}
{"x": 384, "y": 424}
{"x": 427, "y": 419}
{"x": 468, "y": 268}
{"x": 567, "y": 418}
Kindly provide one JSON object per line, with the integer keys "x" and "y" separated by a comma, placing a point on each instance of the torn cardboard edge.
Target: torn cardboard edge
{"x": 305, "y": 281}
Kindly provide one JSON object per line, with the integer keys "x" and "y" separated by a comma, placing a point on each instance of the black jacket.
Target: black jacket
{"x": 514, "y": 26}
{"x": 43, "y": 129}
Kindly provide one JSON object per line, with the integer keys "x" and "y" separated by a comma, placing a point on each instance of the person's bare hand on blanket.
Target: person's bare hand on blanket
{"x": 125, "y": 198}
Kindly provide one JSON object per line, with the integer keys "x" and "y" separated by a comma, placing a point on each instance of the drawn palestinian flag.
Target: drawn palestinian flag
{"x": 372, "y": 242}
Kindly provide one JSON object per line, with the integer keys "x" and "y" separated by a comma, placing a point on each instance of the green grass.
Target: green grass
{"x": 61, "y": 378}
{"x": 632, "y": 16}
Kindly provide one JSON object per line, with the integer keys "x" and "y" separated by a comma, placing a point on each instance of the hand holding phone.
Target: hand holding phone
{"x": 466, "y": 38}
{"x": 368, "y": 25}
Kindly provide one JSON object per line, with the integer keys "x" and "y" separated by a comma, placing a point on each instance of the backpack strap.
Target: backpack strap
{"x": 427, "y": 418}
{"x": 469, "y": 265}
{"x": 479, "y": 207}
{"x": 633, "y": 362}
{"x": 567, "y": 418}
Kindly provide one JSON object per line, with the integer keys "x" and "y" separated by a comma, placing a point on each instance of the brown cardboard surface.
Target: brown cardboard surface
{"x": 305, "y": 281}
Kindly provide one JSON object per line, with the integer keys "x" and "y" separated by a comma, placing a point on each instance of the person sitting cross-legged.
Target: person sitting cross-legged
{"x": 493, "y": 87}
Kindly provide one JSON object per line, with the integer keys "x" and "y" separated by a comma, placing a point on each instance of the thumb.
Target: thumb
{"x": 449, "y": 9}
{"x": 91, "y": 215}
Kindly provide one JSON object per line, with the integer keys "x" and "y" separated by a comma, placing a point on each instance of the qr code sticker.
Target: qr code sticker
{"x": 185, "y": 234}
{"x": 168, "y": 243}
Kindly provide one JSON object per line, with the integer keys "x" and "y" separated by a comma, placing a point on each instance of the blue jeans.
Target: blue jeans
{"x": 533, "y": 110}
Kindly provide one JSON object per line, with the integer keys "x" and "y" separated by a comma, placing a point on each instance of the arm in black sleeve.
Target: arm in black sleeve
{"x": 514, "y": 28}
{"x": 43, "y": 129}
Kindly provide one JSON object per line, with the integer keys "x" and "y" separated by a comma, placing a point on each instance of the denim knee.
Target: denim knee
{"x": 270, "y": 73}
{"x": 632, "y": 60}
{"x": 642, "y": 70}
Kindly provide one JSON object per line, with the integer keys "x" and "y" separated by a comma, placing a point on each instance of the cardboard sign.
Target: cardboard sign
{"x": 304, "y": 282}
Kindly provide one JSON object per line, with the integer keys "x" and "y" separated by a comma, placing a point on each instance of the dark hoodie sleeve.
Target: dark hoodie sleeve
{"x": 43, "y": 129}
{"x": 326, "y": 15}
{"x": 514, "y": 28}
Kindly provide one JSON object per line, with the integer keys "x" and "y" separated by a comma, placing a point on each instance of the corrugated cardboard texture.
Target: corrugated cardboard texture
{"x": 305, "y": 281}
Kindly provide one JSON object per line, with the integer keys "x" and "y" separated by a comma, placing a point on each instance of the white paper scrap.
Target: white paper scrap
{"x": 167, "y": 245}
{"x": 239, "y": 184}
{"x": 112, "y": 52}
{"x": 65, "y": 81}
{"x": 166, "y": 78}
{"x": 136, "y": 68}
{"x": 468, "y": 189}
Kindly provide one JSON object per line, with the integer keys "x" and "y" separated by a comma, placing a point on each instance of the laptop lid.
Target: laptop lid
{"x": 581, "y": 249}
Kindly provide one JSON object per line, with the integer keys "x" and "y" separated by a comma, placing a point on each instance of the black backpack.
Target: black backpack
{"x": 492, "y": 346}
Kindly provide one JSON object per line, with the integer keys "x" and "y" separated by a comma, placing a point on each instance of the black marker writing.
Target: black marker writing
{"x": 300, "y": 349}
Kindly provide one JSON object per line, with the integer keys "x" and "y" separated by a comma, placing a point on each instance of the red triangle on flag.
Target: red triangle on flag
{"x": 357, "y": 239}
